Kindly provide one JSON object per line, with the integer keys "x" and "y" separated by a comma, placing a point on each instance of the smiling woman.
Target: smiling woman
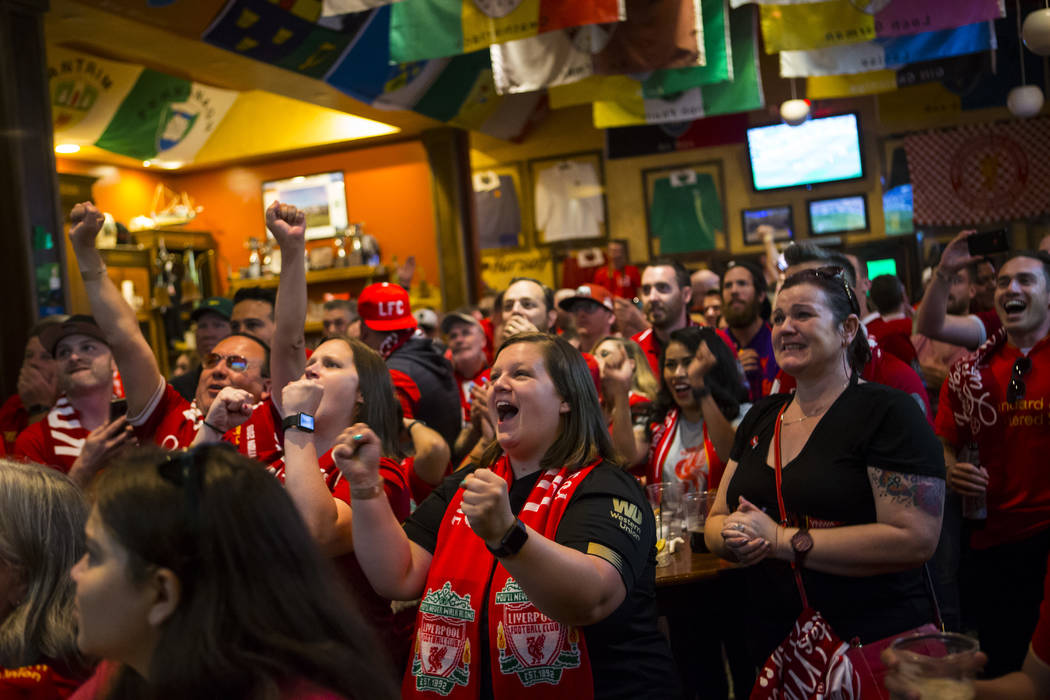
{"x": 545, "y": 529}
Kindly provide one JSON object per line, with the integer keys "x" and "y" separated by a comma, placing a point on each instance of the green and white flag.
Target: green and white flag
{"x": 85, "y": 93}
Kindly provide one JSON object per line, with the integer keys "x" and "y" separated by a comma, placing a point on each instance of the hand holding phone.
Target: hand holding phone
{"x": 988, "y": 242}
{"x": 117, "y": 408}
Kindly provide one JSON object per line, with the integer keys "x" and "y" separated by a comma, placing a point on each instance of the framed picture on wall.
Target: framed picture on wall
{"x": 837, "y": 214}
{"x": 755, "y": 222}
{"x": 685, "y": 208}
{"x": 500, "y": 207}
{"x": 568, "y": 198}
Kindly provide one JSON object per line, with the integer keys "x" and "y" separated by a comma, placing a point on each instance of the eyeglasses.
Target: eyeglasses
{"x": 1015, "y": 389}
{"x": 834, "y": 273}
{"x": 235, "y": 362}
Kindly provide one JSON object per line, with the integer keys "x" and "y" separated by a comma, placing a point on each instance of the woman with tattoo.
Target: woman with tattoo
{"x": 861, "y": 475}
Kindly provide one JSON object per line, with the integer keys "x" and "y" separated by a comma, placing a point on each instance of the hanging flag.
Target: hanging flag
{"x": 634, "y": 141}
{"x": 331, "y": 8}
{"x": 270, "y": 33}
{"x": 185, "y": 18}
{"x": 742, "y": 94}
{"x": 85, "y": 93}
{"x": 823, "y": 25}
{"x": 422, "y": 29}
{"x": 166, "y": 118}
{"x": 888, "y": 53}
{"x": 980, "y": 173}
{"x": 956, "y": 68}
{"x": 652, "y": 40}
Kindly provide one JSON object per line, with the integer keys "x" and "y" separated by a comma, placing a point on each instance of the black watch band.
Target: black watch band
{"x": 299, "y": 421}
{"x": 512, "y": 542}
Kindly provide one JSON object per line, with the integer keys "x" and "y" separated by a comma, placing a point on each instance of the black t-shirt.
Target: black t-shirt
{"x": 629, "y": 657}
{"x": 868, "y": 425}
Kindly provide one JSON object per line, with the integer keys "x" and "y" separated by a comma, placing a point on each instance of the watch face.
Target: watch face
{"x": 306, "y": 421}
{"x": 801, "y": 542}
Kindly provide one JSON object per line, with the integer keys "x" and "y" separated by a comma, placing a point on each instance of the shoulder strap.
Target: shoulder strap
{"x": 777, "y": 462}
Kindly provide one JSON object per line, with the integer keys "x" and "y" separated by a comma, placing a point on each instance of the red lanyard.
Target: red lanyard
{"x": 780, "y": 496}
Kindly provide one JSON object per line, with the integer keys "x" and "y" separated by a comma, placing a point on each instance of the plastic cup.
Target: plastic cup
{"x": 667, "y": 501}
{"x": 697, "y": 505}
{"x": 939, "y": 666}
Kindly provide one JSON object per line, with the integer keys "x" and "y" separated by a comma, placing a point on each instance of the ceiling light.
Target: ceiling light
{"x": 67, "y": 148}
{"x": 146, "y": 164}
{"x": 169, "y": 164}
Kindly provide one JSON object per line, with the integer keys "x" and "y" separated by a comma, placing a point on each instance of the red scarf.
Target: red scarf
{"x": 529, "y": 651}
{"x": 663, "y": 438}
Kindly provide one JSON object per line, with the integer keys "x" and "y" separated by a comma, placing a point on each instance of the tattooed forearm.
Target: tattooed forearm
{"x": 923, "y": 492}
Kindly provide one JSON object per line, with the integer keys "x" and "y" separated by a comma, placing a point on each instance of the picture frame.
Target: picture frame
{"x": 503, "y": 211}
{"x": 568, "y": 199}
{"x": 844, "y": 214}
{"x": 781, "y": 217}
{"x": 674, "y": 225}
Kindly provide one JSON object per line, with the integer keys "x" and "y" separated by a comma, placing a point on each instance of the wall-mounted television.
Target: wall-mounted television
{"x": 881, "y": 266}
{"x": 838, "y": 214}
{"x": 897, "y": 210}
{"x": 826, "y": 149}
{"x": 322, "y": 197}
{"x": 777, "y": 218}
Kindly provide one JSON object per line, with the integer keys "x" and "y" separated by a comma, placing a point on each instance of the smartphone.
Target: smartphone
{"x": 988, "y": 242}
{"x": 117, "y": 408}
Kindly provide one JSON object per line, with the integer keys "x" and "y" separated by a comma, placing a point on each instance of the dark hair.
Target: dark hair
{"x": 548, "y": 293}
{"x": 715, "y": 292}
{"x": 681, "y": 274}
{"x": 886, "y": 293}
{"x": 724, "y": 379}
{"x": 347, "y": 305}
{"x": 259, "y": 607}
{"x": 265, "y": 372}
{"x": 623, "y": 242}
{"x": 758, "y": 279}
{"x": 266, "y": 294}
{"x": 799, "y": 253}
{"x": 379, "y": 406}
{"x": 1040, "y": 255}
{"x": 45, "y": 323}
{"x": 842, "y": 301}
{"x": 583, "y": 436}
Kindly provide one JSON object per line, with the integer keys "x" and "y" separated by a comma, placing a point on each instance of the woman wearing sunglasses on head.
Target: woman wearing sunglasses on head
{"x": 42, "y": 518}
{"x": 219, "y": 592}
{"x": 857, "y": 468}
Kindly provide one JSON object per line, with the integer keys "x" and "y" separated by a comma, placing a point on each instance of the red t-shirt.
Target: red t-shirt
{"x": 465, "y": 384}
{"x": 652, "y": 347}
{"x": 14, "y": 418}
{"x": 894, "y": 337}
{"x": 623, "y": 283}
{"x": 36, "y": 682}
{"x": 1014, "y": 439}
{"x": 56, "y": 440}
{"x": 407, "y": 392}
{"x": 991, "y": 322}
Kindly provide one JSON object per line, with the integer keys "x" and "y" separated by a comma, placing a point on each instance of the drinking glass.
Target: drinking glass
{"x": 939, "y": 665}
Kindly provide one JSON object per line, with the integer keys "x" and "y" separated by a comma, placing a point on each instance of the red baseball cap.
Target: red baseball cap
{"x": 588, "y": 292}
{"x": 385, "y": 307}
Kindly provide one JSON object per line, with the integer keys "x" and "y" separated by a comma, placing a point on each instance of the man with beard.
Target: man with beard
{"x": 238, "y": 366}
{"x": 935, "y": 356}
{"x": 984, "y": 300}
{"x": 665, "y": 292}
{"x": 77, "y": 435}
{"x": 743, "y": 293}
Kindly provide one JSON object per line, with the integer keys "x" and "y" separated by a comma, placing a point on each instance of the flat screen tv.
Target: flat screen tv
{"x": 826, "y": 149}
{"x": 322, "y": 197}
{"x": 897, "y": 210}
{"x": 838, "y": 215}
{"x": 882, "y": 266}
{"x": 777, "y": 218}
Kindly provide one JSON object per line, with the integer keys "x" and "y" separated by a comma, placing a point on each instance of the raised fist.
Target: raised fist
{"x": 86, "y": 221}
{"x": 287, "y": 224}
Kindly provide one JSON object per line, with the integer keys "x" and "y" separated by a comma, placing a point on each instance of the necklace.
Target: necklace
{"x": 804, "y": 417}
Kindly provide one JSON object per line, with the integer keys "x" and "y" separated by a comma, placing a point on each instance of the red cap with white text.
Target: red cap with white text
{"x": 385, "y": 307}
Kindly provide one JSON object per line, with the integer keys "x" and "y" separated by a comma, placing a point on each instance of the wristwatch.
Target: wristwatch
{"x": 512, "y": 542}
{"x": 801, "y": 543}
{"x": 299, "y": 421}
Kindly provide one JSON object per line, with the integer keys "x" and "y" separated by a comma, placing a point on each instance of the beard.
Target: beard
{"x": 737, "y": 317}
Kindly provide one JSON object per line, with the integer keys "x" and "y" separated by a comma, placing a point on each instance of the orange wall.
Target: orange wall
{"x": 123, "y": 192}
{"x": 387, "y": 187}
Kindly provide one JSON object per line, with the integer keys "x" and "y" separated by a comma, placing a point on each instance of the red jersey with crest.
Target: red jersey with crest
{"x": 56, "y": 440}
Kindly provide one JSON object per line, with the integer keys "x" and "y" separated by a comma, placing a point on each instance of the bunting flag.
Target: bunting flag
{"x": 823, "y": 25}
{"x": 558, "y": 58}
{"x": 288, "y": 38}
{"x": 422, "y": 29}
{"x": 742, "y": 94}
{"x": 186, "y": 18}
{"x": 131, "y": 110}
{"x": 954, "y": 69}
{"x": 331, "y": 8}
{"x": 980, "y": 173}
{"x": 888, "y": 53}
{"x": 634, "y": 141}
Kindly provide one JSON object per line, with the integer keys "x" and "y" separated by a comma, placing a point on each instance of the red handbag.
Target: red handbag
{"x": 813, "y": 663}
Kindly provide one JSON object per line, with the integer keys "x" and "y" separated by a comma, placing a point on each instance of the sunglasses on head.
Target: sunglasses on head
{"x": 185, "y": 469}
{"x": 235, "y": 362}
{"x": 1015, "y": 390}
{"x": 834, "y": 273}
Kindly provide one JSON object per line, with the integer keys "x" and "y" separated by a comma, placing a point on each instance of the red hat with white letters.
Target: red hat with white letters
{"x": 385, "y": 307}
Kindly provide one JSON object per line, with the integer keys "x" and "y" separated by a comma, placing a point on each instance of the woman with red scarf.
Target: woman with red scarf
{"x": 536, "y": 566}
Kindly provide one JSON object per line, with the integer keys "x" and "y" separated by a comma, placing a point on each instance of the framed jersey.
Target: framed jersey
{"x": 685, "y": 206}
{"x": 569, "y": 198}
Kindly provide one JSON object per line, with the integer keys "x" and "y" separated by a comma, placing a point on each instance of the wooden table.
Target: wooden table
{"x": 688, "y": 567}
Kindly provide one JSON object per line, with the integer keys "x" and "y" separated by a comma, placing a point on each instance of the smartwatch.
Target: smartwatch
{"x": 512, "y": 542}
{"x": 801, "y": 543}
{"x": 299, "y": 421}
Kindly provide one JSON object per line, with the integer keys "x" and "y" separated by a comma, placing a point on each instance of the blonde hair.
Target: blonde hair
{"x": 643, "y": 381}
{"x": 42, "y": 516}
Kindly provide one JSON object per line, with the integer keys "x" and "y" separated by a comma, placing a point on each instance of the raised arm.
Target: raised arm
{"x": 616, "y": 374}
{"x": 288, "y": 349}
{"x": 932, "y": 318}
{"x": 134, "y": 358}
{"x": 431, "y": 451}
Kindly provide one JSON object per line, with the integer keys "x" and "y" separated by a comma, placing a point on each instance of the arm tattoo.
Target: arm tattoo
{"x": 923, "y": 492}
